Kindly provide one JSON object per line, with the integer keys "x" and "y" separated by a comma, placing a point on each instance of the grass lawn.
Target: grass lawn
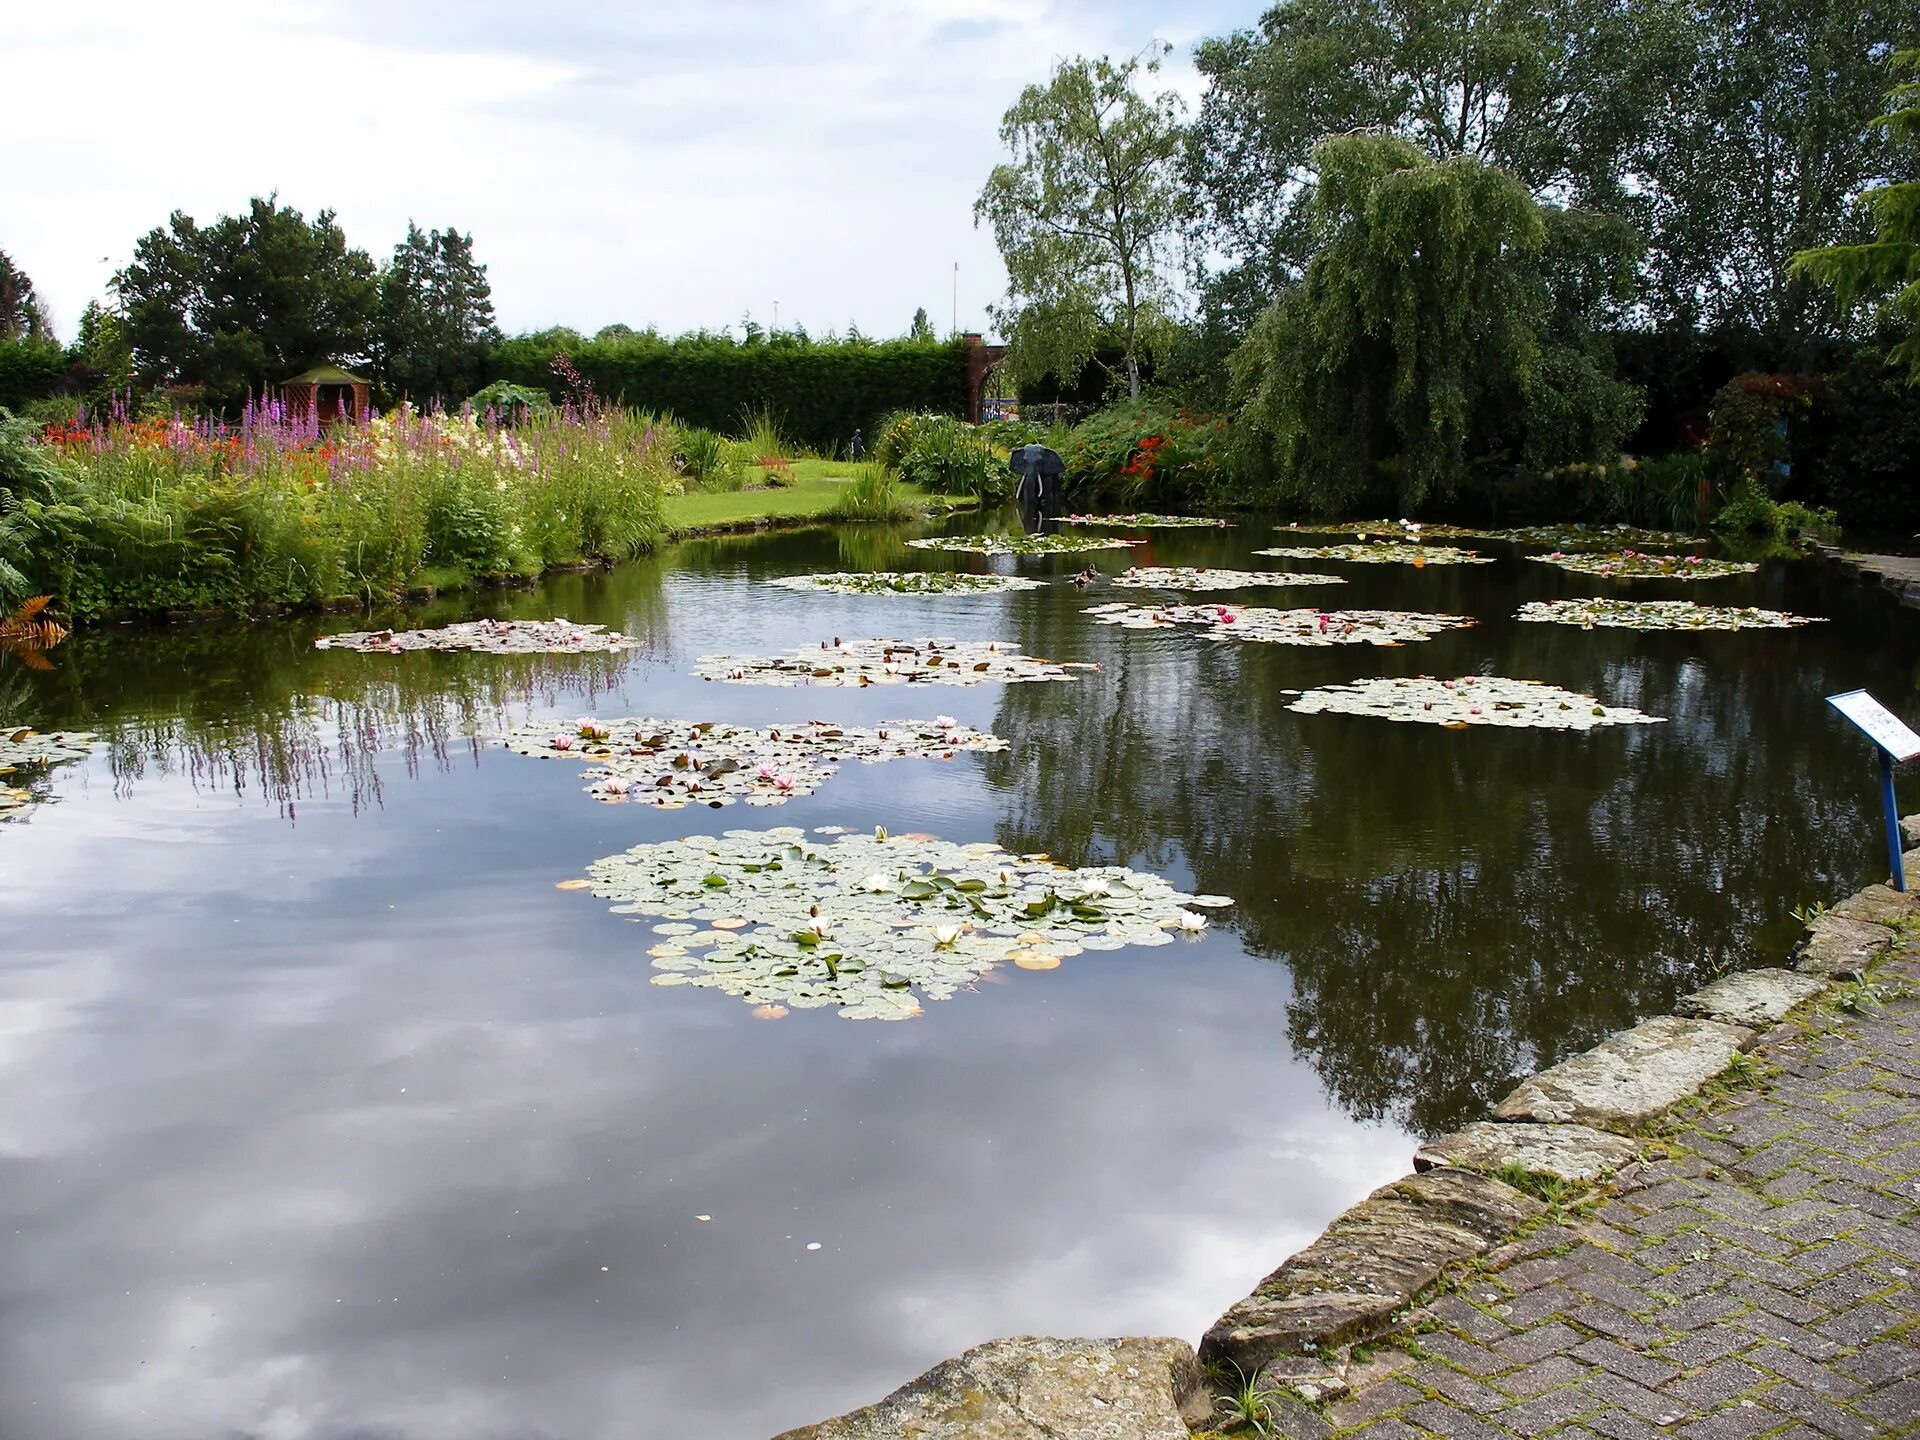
{"x": 810, "y": 494}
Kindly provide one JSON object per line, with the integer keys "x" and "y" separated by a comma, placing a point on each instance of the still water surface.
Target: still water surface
{"x": 326, "y": 1115}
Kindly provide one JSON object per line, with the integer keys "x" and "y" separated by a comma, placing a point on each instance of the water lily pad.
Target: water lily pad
{"x": 888, "y": 662}
{"x": 873, "y": 925}
{"x": 907, "y": 582}
{"x": 1284, "y": 627}
{"x": 671, "y": 764}
{"x": 1632, "y": 565}
{"x": 1022, "y": 544}
{"x": 22, "y": 747}
{"x": 1200, "y": 577}
{"x": 1382, "y": 552}
{"x": 1659, "y": 615}
{"x": 1565, "y": 537}
{"x": 493, "y": 637}
{"x": 1470, "y": 700}
{"x": 1147, "y": 520}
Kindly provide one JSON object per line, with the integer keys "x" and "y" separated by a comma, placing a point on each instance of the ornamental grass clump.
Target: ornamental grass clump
{"x": 163, "y": 514}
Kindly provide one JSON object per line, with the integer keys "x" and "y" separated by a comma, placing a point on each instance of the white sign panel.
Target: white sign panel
{"x": 1883, "y": 727}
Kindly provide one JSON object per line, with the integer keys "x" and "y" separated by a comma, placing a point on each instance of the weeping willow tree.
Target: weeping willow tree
{"x": 1886, "y": 268}
{"x": 1424, "y": 338}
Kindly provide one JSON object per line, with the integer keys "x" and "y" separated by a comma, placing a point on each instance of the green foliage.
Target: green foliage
{"x": 1548, "y": 1189}
{"x": 1758, "y": 158}
{"x": 1752, "y": 512}
{"x": 1417, "y": 344}
{"x": 1084, "y": 215}
{"x": 943, "y": 455}
{"x": 707, "y": 459}
{"x": 22, "y": 316}
{"x": 30, "y": 369}
{"x": 1859, "y": 449}
{"x": 760, "y": 437}
{"x": 1885, "y": 269}
{"x": 1247, "y": 1402}
{"x": 247, "y": 301}
{"x": 508, "y": 402}
{"x": 1148, "y": 452}
{"x": 872, "y": 495}
{"x": 102, "y": 346}
{"x": 1752, "y": 418}
{"x": 922, "y": 328}
{"x": 435, "y": 326}
{"x": 153, "y": 516}
{"x": 821, "y": 392}
{"x": 1556, "y": 95}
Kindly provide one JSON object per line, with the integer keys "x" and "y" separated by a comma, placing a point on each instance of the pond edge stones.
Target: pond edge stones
{"x": 1578, "y": 1123}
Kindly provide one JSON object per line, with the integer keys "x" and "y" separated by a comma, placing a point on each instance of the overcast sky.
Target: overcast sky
{"x": 673, "y": 164}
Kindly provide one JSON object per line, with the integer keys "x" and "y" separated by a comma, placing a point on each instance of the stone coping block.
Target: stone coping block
{"x": 1630, "y": 1078}
{"x": 1032, "y": 1387}
{"x": 1575, "y": 1153}
{"x": 1751, "y": 997}
{"x": 1837, "y": 948}
{"x": 1368, "y": 1266}
{"x": 1910, "y": 829}
{"x": 1877, "y": 905}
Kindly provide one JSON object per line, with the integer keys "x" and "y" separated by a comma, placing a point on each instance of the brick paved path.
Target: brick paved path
{"x": 1762, "y": 1279}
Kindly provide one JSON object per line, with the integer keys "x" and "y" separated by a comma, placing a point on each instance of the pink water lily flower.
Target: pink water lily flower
{"x": 784, "y": 784}
{"x": 945, "y": 722}
{"x": 767, "y": 772}
{"x": 563, "y": 742}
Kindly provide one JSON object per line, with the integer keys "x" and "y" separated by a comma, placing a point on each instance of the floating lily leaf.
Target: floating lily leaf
{"x": 1381, "y": 552}
{"x": 1285, "y": 627}
{"x": 888, "y": 662}
{"x": 1659, "y": 615}
{"x": 1022, "y": 544}
{"x": 1470, "y": 700}
{"x": 1199, "y": 577}
{"x": 906, "y": 582}
{"x": 22, "y": 746}
{"x": 494, "y": 637}
{"x": 1632, "y": 565}
{"x": 671, "y": 764}
{"x": 872, "y": 925}
{"x": 1565, "y": 537}
{"x": 1146, "y": 520}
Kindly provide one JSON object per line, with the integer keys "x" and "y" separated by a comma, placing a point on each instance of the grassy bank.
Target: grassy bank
{"x": 810, "y": 491}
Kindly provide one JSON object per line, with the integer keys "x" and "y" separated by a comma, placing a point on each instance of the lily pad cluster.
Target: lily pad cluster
{"x": 888, "y": 662}
{"x": 1587, "y": 537}
{"x": 872, "y": 924}
{"x": 23, "y": 748}
{"x": 1382, "y": 552}
{"x": 906, "y": 582}
{"x": 1199, "y": 577}
{"x": 1022, "y": 544}
{"x": 1633, "y": 565}
{"x": 671, "y": 764}
{"x": 1659, "y": 615}
{"x": 493, "y": 637}
{"x": 1146, "y": 520}
{"x": 1284, "y": 627}
{"x": 1470, "y": 700}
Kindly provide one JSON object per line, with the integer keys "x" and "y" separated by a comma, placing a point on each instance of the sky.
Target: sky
{"x": 679, "y": 165}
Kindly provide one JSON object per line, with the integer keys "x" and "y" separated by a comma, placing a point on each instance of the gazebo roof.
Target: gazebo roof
{"x": 324, "y": 375}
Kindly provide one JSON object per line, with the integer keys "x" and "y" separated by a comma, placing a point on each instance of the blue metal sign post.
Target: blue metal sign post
{"x": 1894, "y": 741}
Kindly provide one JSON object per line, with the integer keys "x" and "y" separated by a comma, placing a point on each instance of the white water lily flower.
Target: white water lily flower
{"x": 1191, "y": 923}
{"x": 1095, "y": 886}
{"x": 877, "y": 883}
{"x": 945, "y": 935}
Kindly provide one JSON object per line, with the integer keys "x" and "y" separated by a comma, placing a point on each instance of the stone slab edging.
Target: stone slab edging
{"x": 1574, "y": 1124}
{"x": 1897, "y": 573}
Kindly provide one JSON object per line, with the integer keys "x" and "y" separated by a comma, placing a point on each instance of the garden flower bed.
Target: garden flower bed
{"x": 872, "y": 924}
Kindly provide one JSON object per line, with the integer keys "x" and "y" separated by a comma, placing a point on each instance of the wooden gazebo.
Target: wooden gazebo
{"x": 328, "y": 393}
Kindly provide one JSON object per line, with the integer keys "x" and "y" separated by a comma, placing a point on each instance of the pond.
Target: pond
{"x": 329, "y": 1113}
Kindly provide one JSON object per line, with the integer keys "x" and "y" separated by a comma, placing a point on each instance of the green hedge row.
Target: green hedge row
{"x": 29, "y": 370}
{"x": 819, "y": 393}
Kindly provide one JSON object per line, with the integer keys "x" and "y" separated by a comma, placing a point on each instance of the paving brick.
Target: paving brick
{"x": 1462, "y": 1389}
{"x": 1650, "y": 1405}
{"x": 1820, "y": 1413}
{"x": 1634, "y": 1364}
{"x": 1541, "y": 1341}
{"x": 1827, "y": 1380}
{"x": 1703, "y": 1347}
{"x": 1545, "y": 1375}
{"x": 1738, "y": 1422}
{"x": 1898, "y": 1404}
{"x": 1374, "y": 1401}
{"x": 1443, "y": 1419}
{"x": 1543, "y": 1414}
{"x": 1883, "y": 1363}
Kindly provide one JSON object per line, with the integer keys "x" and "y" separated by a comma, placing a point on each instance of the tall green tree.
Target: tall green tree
{"x": 1424, "y": 337}
{"x": 247, "y": 301}
{"x": 22, "y": 315}
{"x": 1086, "y": 214}
{"x": 1885, "y": 268}
{"x": 1759, "y": 151}
{"x": 1557, "y": 93}
{"x": 436, "y": 318}
{"x": 922, "y": 327}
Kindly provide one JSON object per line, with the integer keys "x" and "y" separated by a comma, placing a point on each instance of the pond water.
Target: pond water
{"x": 329, "y": 1115}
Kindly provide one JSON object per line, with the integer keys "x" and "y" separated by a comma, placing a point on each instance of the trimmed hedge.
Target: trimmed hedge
{"x": 819, "y": 393}
{"x": 29, "y": 370}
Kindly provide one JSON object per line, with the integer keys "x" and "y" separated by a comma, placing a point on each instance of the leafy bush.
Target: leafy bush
{"x": 508, "y": 402}
{"x": 706, "y": 459}
{"x": 1149, "y": 452}
{"x": 1859, "y": 450}
{"x": 944, "y": 456}
{"x": 29, "y": 370}
{"x": 1752, "y": 419}
{"x": 1753, "y": 512}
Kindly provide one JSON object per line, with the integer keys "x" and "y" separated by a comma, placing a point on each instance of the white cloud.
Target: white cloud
{"x": 668, "y": 164}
